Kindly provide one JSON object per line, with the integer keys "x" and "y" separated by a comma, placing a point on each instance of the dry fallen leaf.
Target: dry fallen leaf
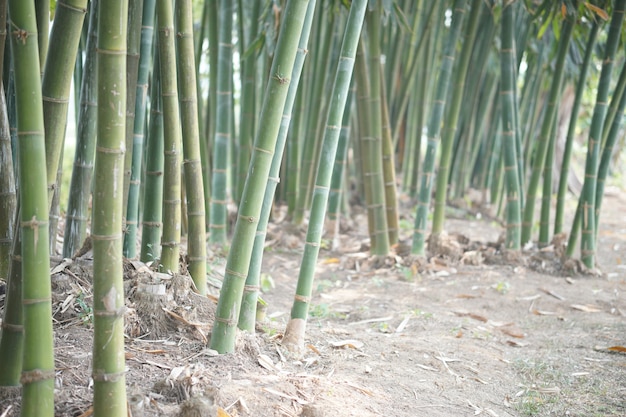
{"x": 313, "y": 348}
{"x": 586, "y": 308}
{"x": 222, "y": 413}
{"x": 544, "y": 313}
{"x": 620, "y": 349}
{"x": 284, "y": 395}
{"x": 330, "y": 261}
{"x": 267, "y": 363}
{"x": 472, "y": 315}
{"x": 351, "y": 343}
{"x": 553, "y": 294}
{"x": 87, "y": 413}
{"x": 548, "y": 390}
{"x": 512, "y": 333}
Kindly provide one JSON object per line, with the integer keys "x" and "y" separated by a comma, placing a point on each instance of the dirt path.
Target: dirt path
{"x": 451, "y": 340}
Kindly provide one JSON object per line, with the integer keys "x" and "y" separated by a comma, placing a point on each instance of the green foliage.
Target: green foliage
{"x": 85, "y": 311}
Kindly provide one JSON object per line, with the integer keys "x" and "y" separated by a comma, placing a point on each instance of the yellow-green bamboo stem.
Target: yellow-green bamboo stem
{"x": 108, "y": 368}
{"x": 196, "y": 240}
{"x": 170, "y": 241}
{"x": 238, "y": 262}
{"x": 38, "y": 364}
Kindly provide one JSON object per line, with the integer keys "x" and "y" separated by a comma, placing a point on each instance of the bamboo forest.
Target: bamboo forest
{"x": 312, "y": 208}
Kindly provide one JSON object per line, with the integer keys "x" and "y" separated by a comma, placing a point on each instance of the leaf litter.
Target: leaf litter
{"x": 352, "y": 365}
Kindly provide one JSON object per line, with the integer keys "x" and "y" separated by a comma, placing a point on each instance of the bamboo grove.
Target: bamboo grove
{"x": 195, "y": 118}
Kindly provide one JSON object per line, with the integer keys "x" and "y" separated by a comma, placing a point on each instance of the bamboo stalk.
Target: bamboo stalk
{"x": 588, "y": 194}
{"x": 170, "y": 239}
{"x": 544, "y": 137}
{"x": 223, "y": 113}
{"x": 452, "y": 119}
{"x": 108, "y": 365}
{"x": 295, "y": 330}
{"x": 247, "y": 315}
{"x": 238, "y": 262}
{"x": 509, "y": 129}
{"x": 12, "y": 334}
{"x": 138, "y": 121}
{"x": 152, "y": 221}
{"x": 581, "y": 87}
{"x": 37, "y": 377}
{"x": 196, "y": 240}
{"x": 77, "y": 214}
{"x": 434, "y": 128}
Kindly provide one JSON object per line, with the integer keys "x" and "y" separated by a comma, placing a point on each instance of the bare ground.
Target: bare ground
{"x": 477, "y": 335}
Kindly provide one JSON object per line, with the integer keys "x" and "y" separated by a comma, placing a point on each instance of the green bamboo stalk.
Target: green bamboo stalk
{"x": 3, "y": 35}
{"x": 138, "y": 120}
{"x": 509, "y": 129}
{"x": 481, "y": 133}
{"x": 613, "y": 109}
{"x": 434, "y": 128}
{"x": 77, "y": 213}
{"x": 247, "y": 119}
{"x": 581, "y": 87}
{"x": 295, "y": 330}
{"x": 530, "y": 105}
{"x": 389, "y": 169}
{"x": 57, "y": 79}
{"x": 413, "y": 140}
{"x": 339, "y": 170}
{"x": 211, "y": 103}
{"x": 491, "y": 178}
{"x": 237, "y": 264}
{"x": 170, "y": 240}
{"x": 418, "y": 100}
{"x": 38, "y": 361}
{"x": 311, "y": 145}
{"x": 8, "y": 193}
{"x": 132, "y": 182}
{"x": 588, "y": 194}
{"x": 365, "y": 138}
{"x": 372, "y": 141}
{"x": 546, "y": 192}
{"x": 247, "y": 315}
{"x": 452, "y": 119}
{"x": 607, "y": 149}
{"x": 42, "y": 14}
{"x": 196, "y": 239}
{"x": 219, "y": 213}
{"x": 12, "y": 334}
{"x": 480, "y": 87}
{"x": 422, "y": 98}
{"x": 78, "y": 66}
{"x": 294, "y": 150}
{"x": 415, "y": 71}
{"x": 201, "y": 35}
{"x": 544, "y": 137}
{"x": 108, "y": 368}
{"x": 151, "y": 225}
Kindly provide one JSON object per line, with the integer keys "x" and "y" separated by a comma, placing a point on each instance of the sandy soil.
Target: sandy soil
{"x": 448, "y": 337}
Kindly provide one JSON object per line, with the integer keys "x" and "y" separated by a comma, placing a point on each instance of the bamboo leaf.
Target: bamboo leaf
{"x": 255, "y": 47}
{"x": 597, "y": 10}
{"x": 543, "y": 28}
{"x": 402, "y": 19}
